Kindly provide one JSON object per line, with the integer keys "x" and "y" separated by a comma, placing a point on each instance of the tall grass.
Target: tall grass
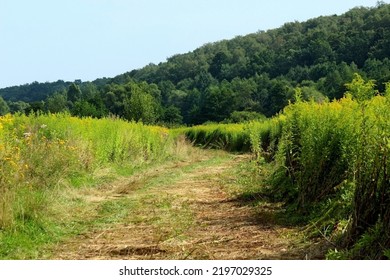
{"x": 334, "y": 158}
{"x": 229, "y": 137}
{"x": 38, "y": 152}
{"x": 330, "y": 164}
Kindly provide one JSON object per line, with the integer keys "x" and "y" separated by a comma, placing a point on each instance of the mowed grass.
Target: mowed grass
{"x": 134, "y": 200}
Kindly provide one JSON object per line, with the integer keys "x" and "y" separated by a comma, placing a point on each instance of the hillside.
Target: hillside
{"x": 257, "y": 73}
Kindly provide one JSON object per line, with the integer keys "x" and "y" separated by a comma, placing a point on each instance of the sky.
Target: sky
{"x": 50, "y": 40}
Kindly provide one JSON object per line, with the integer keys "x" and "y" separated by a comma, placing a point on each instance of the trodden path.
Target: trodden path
{"x": 183, "y": 211}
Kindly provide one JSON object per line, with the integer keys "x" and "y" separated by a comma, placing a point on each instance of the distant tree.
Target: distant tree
{"x": 172, "y": 115}
{"x": 378, "y": 70}
{"x": 361, "y": 90}
{"x": 177, "y": 98}
{"x": 203, "y": 80}
{"x": 18, "y": 106}
{"x": 244, "y": 91}
{"x": 141, "y": 106}
{"x": 35, "y": 107}
{"x": 217, "y": 63}
{"x": 57, "y": 102}
{"x": 280, "y": 93}
{"x": 216, "y": 103}
{"x": 4, "y": 109}
{"x": 74, "y": 93}
{"x": 166, "y": 87}
{"x": 191, "y": 107}
{"x": 244, "y": 116}
{"x": 89, "y": 91}
{"x": 83, "y": 108}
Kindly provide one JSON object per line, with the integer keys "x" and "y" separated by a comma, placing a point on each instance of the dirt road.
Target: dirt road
{"x": 180, "y": 211}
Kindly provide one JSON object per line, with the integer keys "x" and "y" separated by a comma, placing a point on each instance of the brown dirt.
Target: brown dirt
{"x": 200, "y": 220}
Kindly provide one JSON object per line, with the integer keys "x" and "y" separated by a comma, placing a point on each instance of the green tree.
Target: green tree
{"x": 216, "y": 103}
{"x": 4, "y": 109}
{"x": 172, "y": 115}
{"x": 217, "y": 63}
{"x": 83, "y": 108}
{"x": 361, "y": 90}
{"x": 141, "y": 106}
{"x": 35, "y": 107}
{"x": 74, "y": 93}
{"x": 18, "y": 106}
{"x": 57, "y": 102}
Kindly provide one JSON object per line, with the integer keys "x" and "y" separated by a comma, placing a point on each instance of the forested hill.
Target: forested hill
{"x": 228, "y": 79}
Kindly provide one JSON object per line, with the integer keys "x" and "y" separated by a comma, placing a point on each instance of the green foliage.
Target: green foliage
{"x": 229, "y": 137}
{"x": 243, "y": 117}
{"x": 85, "y": 109}
{"x": 265, "y": 136}
{"x": 172, "y": 115}
{"x": 33, "y": 92}
{"x": 4, "y": 109}
{"x": 18, "y": 107}
{"x": 361, "y": 90}
{"x": 57, "y": 102}
{"x": 74, "y": 93}
{"x": 141, "y": 105}
{"x": 331, "y": 164}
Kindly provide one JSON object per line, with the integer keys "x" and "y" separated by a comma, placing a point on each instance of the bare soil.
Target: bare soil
{"x": 193, "y": 216}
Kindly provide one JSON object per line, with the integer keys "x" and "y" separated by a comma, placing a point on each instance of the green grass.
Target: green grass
{"x": 229, "y": 137}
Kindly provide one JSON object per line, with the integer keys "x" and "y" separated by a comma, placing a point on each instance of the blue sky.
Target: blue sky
{"x": 48, "y": 40}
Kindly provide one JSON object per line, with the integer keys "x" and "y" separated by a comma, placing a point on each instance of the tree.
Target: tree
{"x": 141, "y": 106}
{"x": 280, "y": 93}
{"x": 172, "y": 115}
{"x": 4, "y": 109}
{"x": 216, "y": 103}
{"x": 361, "y": 90}
{"x": 18, "y": 106}
{"x": 85, "y": 109}
{"x": 216, "y": 65}
{"x": 74, "y": 93}
{"x": 244, "y": 116}
{"x": 35, "y": 107}
{"x": 57, "y": 102}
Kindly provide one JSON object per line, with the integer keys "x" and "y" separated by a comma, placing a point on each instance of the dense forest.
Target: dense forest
{"x": 232, "y": 80}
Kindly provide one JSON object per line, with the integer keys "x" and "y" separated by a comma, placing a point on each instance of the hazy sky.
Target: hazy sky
{"x": 48, "y": 40}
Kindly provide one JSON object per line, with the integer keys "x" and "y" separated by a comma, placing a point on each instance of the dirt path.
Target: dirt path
{"x": 182, "y": 212}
